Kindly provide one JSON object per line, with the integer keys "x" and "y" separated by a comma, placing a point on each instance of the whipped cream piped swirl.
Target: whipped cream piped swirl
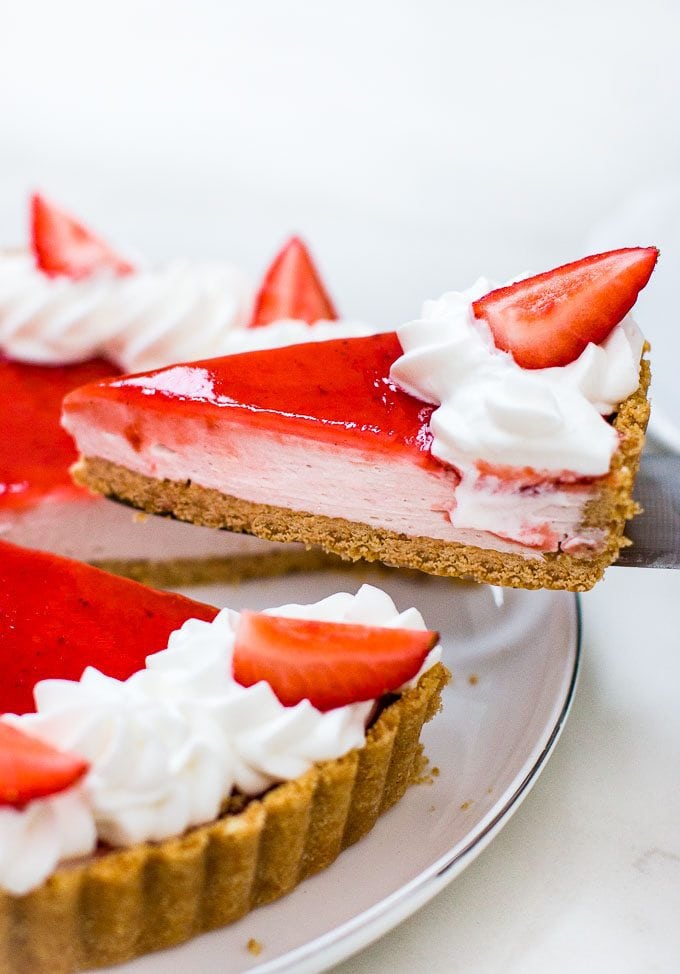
{"x": 181, "y": 312}
{"x": 491, "y": 409}
{"x": 138, "y": 321}
{"x": 168, "y": 745}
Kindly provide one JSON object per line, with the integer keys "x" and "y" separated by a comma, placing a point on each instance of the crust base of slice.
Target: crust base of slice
{"x": 609, "y": 510}
{"x": 125, "y": 903}
{"x": 184, "y": 572}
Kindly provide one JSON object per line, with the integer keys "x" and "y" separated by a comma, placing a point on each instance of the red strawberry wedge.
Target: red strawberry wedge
{"x": 549, "y": 319}
{"x": 30, "y": 768}
{"x": 64, "y": 246}
{"x": 331, "y": 664}
{"x": 292, "y": 288}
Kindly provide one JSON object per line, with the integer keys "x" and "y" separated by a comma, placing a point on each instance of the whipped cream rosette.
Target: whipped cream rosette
{"x": 492, "y": 413}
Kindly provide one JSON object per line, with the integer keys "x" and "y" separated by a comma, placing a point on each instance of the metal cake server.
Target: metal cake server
{"x": 655, "y": 533}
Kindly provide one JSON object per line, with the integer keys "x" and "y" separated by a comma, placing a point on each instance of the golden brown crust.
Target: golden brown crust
{"x": 180, "y": 572}
{"x": 126, "y": 903}
{"x": 609, "y": 510}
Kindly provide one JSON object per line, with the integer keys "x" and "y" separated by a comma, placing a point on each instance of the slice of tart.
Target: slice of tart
{"x": 165, "y": 766}
{"x": 72, "y": 310}
{"x": 497, "y": 437}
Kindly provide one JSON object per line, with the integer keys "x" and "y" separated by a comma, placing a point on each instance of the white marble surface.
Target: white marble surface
{"x": 586, "y": 876}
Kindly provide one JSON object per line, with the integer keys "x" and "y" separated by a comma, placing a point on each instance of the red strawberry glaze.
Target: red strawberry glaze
{"x": 36, "y": 453}
{"x": 340, "y": 393}
{"x": 58, "y": 616}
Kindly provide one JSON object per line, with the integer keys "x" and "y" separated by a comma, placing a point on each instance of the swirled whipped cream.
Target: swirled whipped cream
{"x": 491, "y": 409}
{"x": 137, "y": 320}
{"x": 140, "y": 321}
{"x": 168, "y": 745}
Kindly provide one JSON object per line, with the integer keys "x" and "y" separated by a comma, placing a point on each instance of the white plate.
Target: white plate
{"x": 514, "y": 657}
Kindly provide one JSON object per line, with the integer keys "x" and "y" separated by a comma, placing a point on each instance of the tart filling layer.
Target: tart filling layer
{"x": 389, "y": 491}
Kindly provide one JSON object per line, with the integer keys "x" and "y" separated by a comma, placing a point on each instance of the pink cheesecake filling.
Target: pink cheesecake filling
{"x": 387, "y": 491}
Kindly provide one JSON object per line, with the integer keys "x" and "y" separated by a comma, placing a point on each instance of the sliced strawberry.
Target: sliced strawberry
{"x": 328, "y": 663}
{"x": 30, "y": 768}
{"x": 292, "y": 288}
{"x": 62, "y": 245}
{"x": 549, "y": 319}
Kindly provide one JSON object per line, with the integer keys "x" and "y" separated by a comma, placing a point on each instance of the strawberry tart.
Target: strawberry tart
{"x": 73, "y": 310}
{"x": 165, "y": 766}
{"x": 496, "y": 437}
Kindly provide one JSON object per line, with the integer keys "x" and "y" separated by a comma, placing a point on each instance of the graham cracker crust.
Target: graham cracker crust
{"x": 609, "y": 510}
{"x": 183, "y": 572}
{"x": 122, "y": 904}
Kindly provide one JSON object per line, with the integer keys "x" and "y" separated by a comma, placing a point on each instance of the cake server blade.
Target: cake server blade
{"x": 656, "y": 532}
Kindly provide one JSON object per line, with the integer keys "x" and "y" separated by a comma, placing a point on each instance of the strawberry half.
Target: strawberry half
{"x": 62, "y": 245}
{"x": 549, "y": 319}
{"x": 331, "y": 664}
{"x": 30, "y": 768}
{"x": 292, "y": 288}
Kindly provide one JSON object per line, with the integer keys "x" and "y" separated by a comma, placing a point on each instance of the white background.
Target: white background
{"x": 415, "y": 145}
